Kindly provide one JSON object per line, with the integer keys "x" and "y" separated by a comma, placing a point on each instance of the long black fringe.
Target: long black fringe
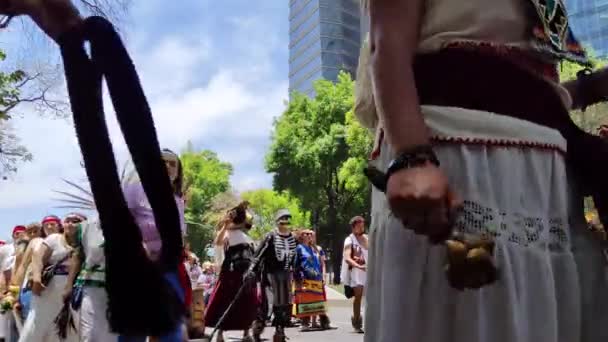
{"x": 141, "y": 302}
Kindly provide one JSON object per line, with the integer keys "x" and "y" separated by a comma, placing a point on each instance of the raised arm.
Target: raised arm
{"x": 54, "y": 17}
{"x": 17, "y": 278}
{"x": 394, "y": 34}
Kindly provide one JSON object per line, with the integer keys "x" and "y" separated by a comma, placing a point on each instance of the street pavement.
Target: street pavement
{"x": 340, "y": 311}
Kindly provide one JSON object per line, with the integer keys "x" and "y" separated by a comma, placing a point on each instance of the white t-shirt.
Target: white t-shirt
{"x": 354, "y": 277}
{"x": 7, "y": 257}
{"x": 60, "y": 249}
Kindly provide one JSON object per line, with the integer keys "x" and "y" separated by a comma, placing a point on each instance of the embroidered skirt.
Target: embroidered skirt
{"x": 513, "y": 179}
{"x": 309, "y": 299}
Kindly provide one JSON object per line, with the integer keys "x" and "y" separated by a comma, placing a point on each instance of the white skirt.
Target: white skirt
{"x": 512, "y": 176}
{"x": 93, "y": 322}
{"x": 39, "y": 325}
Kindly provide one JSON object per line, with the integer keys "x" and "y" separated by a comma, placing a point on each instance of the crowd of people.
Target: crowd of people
{"x": 280, "y": 280}
{"x": 56, "y": 267}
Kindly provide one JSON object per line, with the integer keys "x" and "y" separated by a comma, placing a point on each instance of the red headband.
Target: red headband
{"x": 18, "y": 229}
{"x": 50, "y": 219}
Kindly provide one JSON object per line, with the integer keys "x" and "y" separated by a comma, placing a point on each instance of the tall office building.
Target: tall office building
{"x": 324, "y": 38}
{"x": 589, "y": 21}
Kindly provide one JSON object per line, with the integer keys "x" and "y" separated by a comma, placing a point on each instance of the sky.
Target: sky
{"x": 215, "y": 74}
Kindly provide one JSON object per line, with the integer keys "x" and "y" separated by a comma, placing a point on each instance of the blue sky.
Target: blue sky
{"x": 215, "y": 74}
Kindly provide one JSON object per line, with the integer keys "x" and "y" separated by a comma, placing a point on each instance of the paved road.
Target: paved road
{"x": 339, "y": 313}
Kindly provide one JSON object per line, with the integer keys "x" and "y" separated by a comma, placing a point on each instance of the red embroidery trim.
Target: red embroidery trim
{"x": 497, "y": 143}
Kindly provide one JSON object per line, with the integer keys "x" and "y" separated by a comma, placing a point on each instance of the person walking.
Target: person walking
{"x": 354, "y": 268}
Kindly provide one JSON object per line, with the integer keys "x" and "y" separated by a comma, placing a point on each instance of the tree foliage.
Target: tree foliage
{"x": 317, "y": 153}
{"x": 205, "y": 177}
{"x": 35, "y": 87}
{"x": 11, "y": 151}
{"x": 265, "y": 203}
{"x": 595, "y": 115}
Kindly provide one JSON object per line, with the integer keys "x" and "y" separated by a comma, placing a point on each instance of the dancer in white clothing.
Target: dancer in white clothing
{"x": 49, "y": 291}
{"x": 88, "y": 295}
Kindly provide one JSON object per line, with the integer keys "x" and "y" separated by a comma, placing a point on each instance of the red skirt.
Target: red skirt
{"x": 243, "y": 312}
{"x": 184, "y": 280}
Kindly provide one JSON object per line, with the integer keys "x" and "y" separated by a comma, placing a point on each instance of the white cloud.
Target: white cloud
{"x": 167, "y": 67}
{"x": 233, "y": 107}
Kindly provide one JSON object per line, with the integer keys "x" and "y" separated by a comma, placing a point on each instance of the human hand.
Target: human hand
{"x": 54, "y": 17}
{"x": 422, "y": 198}
{"x": 37, "y": 288}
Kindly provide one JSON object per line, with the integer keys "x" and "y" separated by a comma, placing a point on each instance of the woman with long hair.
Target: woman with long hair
{"x": 477, "y": 229}
{"x": 238, "y": 249}
{"x": 48, "y": 289}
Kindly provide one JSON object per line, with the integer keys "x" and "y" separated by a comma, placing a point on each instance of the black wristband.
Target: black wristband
{"x": 412, "y": 157}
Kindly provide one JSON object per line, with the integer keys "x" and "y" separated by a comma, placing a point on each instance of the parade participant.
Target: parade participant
{"x": 354, "y": 267}
{"x": 276, "y": 256}
{"x": 20, "y": 239}
{"x": 23, "y": 272}
{"x": 309, "y": 298}
{"x": 207, "y": 281}
{"x": 323, "y": 320}
{"x": 474, "y": 134}
{"x": 238, "y": 255}
{"x": 48, "y": 284}
{"x": 50, "y": 224}
{"x": 7, "y": 260}
{"x": 86, "y": 284}
{"x": 141, "y": 210}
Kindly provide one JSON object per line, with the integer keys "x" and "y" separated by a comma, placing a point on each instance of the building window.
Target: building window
{"x": 306, "y": 26}
{"x": 305, "y": 55}
{"x": 310, "y": 36}
{"x": 303, "y": 71}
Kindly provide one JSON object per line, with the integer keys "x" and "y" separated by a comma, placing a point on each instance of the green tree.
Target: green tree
{"x": 317, "y": 154}
{"x": 265, "y": 203}
{"x": 595, "y": 115}
{"x": 11, "y": 151}
{"x": 205, "y": 177}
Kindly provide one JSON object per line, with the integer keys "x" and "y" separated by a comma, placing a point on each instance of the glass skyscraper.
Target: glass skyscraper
{"x": 324, "y": 38}
{"x": 589, "y": 21}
